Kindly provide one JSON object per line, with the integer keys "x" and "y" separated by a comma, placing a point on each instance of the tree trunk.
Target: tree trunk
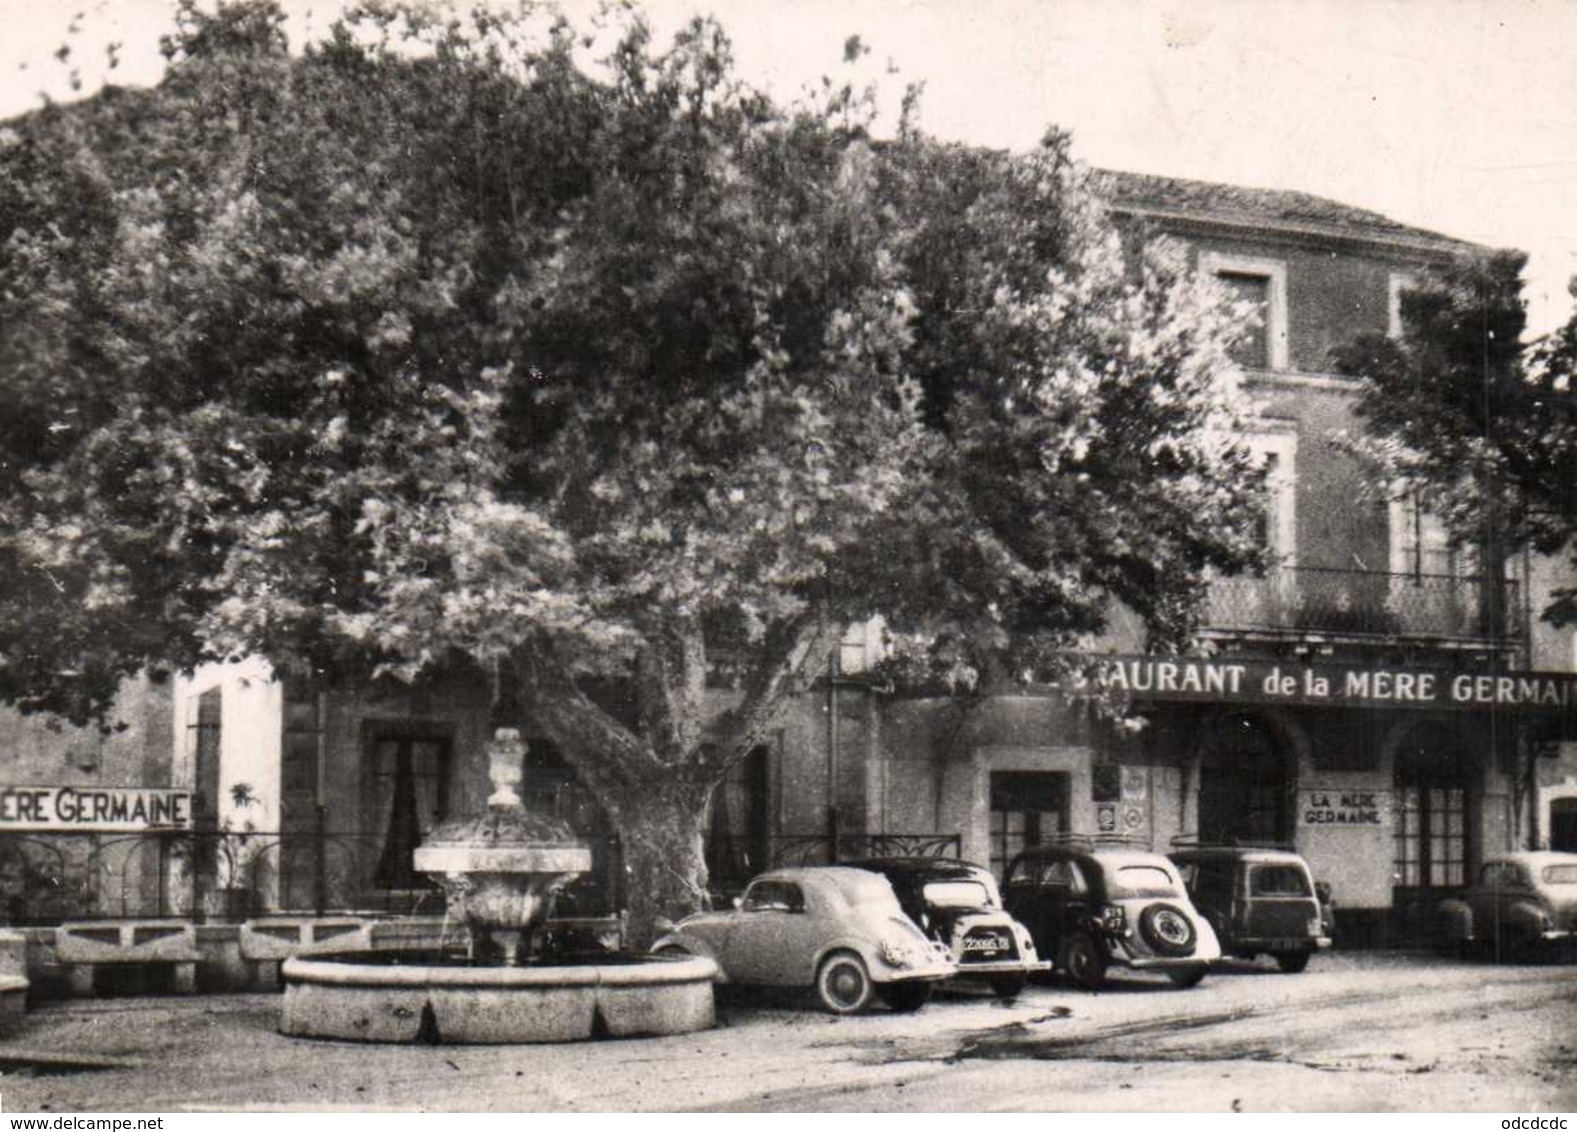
{"x": 662, "y": 839}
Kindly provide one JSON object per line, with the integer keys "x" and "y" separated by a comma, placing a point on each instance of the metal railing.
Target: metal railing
{"x": 215, "y": 875}
{"x": 1366, "y": 603}
{"x": 733, "y": 860}
{"x": 46, "y": 878}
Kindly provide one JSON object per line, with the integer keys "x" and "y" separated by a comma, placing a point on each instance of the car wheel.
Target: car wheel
{"x": 842, "y": 984}
{"x": 672, "y": 950}
{"x": 1293, "y": 961}
{"x": 1007, "y": 987}
{"x": 1085, "y": 961}
{"x": 1185, "y": 977}
{"x": 1168, "y": 929}
{"x": 905, "y": 997}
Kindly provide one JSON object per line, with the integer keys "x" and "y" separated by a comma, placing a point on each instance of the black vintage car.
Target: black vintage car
{"x": 1093, "y": 903}
{"x": 957, "y": 904}
{"x": 1259, "y": 899}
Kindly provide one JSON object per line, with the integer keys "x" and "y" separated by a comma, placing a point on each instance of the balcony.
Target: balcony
{"x": 1361, "y": 604}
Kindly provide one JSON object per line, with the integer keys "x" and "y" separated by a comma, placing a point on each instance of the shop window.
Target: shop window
{"x": 1245, "y": 784}
{"x": 1027, "y": 807}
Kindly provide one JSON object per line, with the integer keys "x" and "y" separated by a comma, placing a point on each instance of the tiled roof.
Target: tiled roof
{"x": 1239, "y": 204}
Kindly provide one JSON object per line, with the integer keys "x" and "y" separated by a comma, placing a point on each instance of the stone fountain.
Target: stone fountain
{"x": 500, "y": 871}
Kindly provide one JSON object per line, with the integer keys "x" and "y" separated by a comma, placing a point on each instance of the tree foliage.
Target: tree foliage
{"x": 456, "y": 342}
{"x": 1465, "y": 414}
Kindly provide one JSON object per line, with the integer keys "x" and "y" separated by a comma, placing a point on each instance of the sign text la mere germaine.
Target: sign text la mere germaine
{"x": 1194, "y": 678}
{"x": 94, "y": 809}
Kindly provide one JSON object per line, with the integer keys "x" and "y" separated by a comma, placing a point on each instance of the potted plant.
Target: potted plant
{"x": 234, "y": 851}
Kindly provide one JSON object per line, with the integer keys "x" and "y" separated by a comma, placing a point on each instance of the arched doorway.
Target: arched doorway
{"x": 1435, "y": 778}
{"x": 1246, "y": 782}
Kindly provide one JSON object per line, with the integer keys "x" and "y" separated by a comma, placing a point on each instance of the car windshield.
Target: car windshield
{"x": 1278, "y": 880}
{"x": 1560, "y": 874}
{"x": 1141, "y": 880}
{"x": 956, "y": 894}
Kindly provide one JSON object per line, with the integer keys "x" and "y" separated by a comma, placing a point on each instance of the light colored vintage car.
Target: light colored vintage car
{"x": 958, "y": 904}
{"x": 1093, "y": 903}
{"x": 839, "y": 930}
{"x": 1522, "y": 902}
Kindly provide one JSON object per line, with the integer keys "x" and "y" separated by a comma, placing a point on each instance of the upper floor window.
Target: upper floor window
{"x": 1396, "y": 283}
{"x": 1261, "y": 284}
{"x": 1421, "y": 546}
{"x": 1276, "y": 446}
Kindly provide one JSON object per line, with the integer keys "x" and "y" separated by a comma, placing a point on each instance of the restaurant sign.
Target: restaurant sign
{"x": 93, "y": 809}
{"x": 1248, "y": 681}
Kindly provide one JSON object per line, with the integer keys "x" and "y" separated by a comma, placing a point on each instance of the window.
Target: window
{"x": 1252, "y": 348}
{"x": 1422, "y": 547}
{"x": 1275, "y": 444}
{"x": 1246, "y": 782}
{"x": 1278, "y": 880}
{"x": 1141, "y": 881}
{"x": 1027, "y": 807}
{"x": 408, "y": 793}
{"x": 1433, "y": 778}
{"x": 774, "y": 896}
{"x": 1395, "y": 285}
{"x": 956, "y": 894}
{"x": 1261, "y": 284}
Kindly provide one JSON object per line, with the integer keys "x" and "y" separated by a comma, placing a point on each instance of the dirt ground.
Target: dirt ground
{"x": 1361, "y": 1032}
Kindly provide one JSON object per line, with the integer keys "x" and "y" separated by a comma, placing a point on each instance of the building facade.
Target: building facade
{"x": 1385, "y": 702}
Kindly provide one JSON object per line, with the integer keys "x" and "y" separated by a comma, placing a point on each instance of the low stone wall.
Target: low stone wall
{"x": 75, "y": 958}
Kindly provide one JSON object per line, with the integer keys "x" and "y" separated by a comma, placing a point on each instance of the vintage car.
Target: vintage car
{"x": 1258, "y": 899}
{"x": 1522, "y": 903}
{"x": 1090, "y": 903}
{"x": 839, "y": 930}
{"x": 958, "y": 904}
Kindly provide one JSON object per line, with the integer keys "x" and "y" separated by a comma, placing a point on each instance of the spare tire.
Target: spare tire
{"x": 1168, "y": 929}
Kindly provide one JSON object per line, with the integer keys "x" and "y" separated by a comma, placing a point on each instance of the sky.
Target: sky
{"x": 1458, "y": 116}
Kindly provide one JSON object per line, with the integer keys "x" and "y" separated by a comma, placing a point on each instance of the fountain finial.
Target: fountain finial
{"x": 506, "y": 756}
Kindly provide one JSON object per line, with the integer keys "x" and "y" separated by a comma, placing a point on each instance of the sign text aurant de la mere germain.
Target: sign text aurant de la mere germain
{"x": 93, "y": 809}
{"x": 1250, "y": 681}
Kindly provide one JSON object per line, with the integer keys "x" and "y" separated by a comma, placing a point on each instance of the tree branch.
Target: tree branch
{"x": 609, "y": 757}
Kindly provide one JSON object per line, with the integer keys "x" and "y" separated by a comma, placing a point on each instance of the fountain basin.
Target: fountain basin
{"x": 406, "y": 997}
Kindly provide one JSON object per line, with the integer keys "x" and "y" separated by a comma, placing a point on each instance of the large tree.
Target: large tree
{"x": 448, "y": 344}
{"x": 1466, "y": 415}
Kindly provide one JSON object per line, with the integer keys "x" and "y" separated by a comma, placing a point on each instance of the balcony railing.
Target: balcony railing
{"x": 1366, "y": 603}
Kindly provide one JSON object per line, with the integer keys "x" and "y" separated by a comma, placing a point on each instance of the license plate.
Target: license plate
{"x": 986, "y": 943}
{"x": 1287, "y": 945}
